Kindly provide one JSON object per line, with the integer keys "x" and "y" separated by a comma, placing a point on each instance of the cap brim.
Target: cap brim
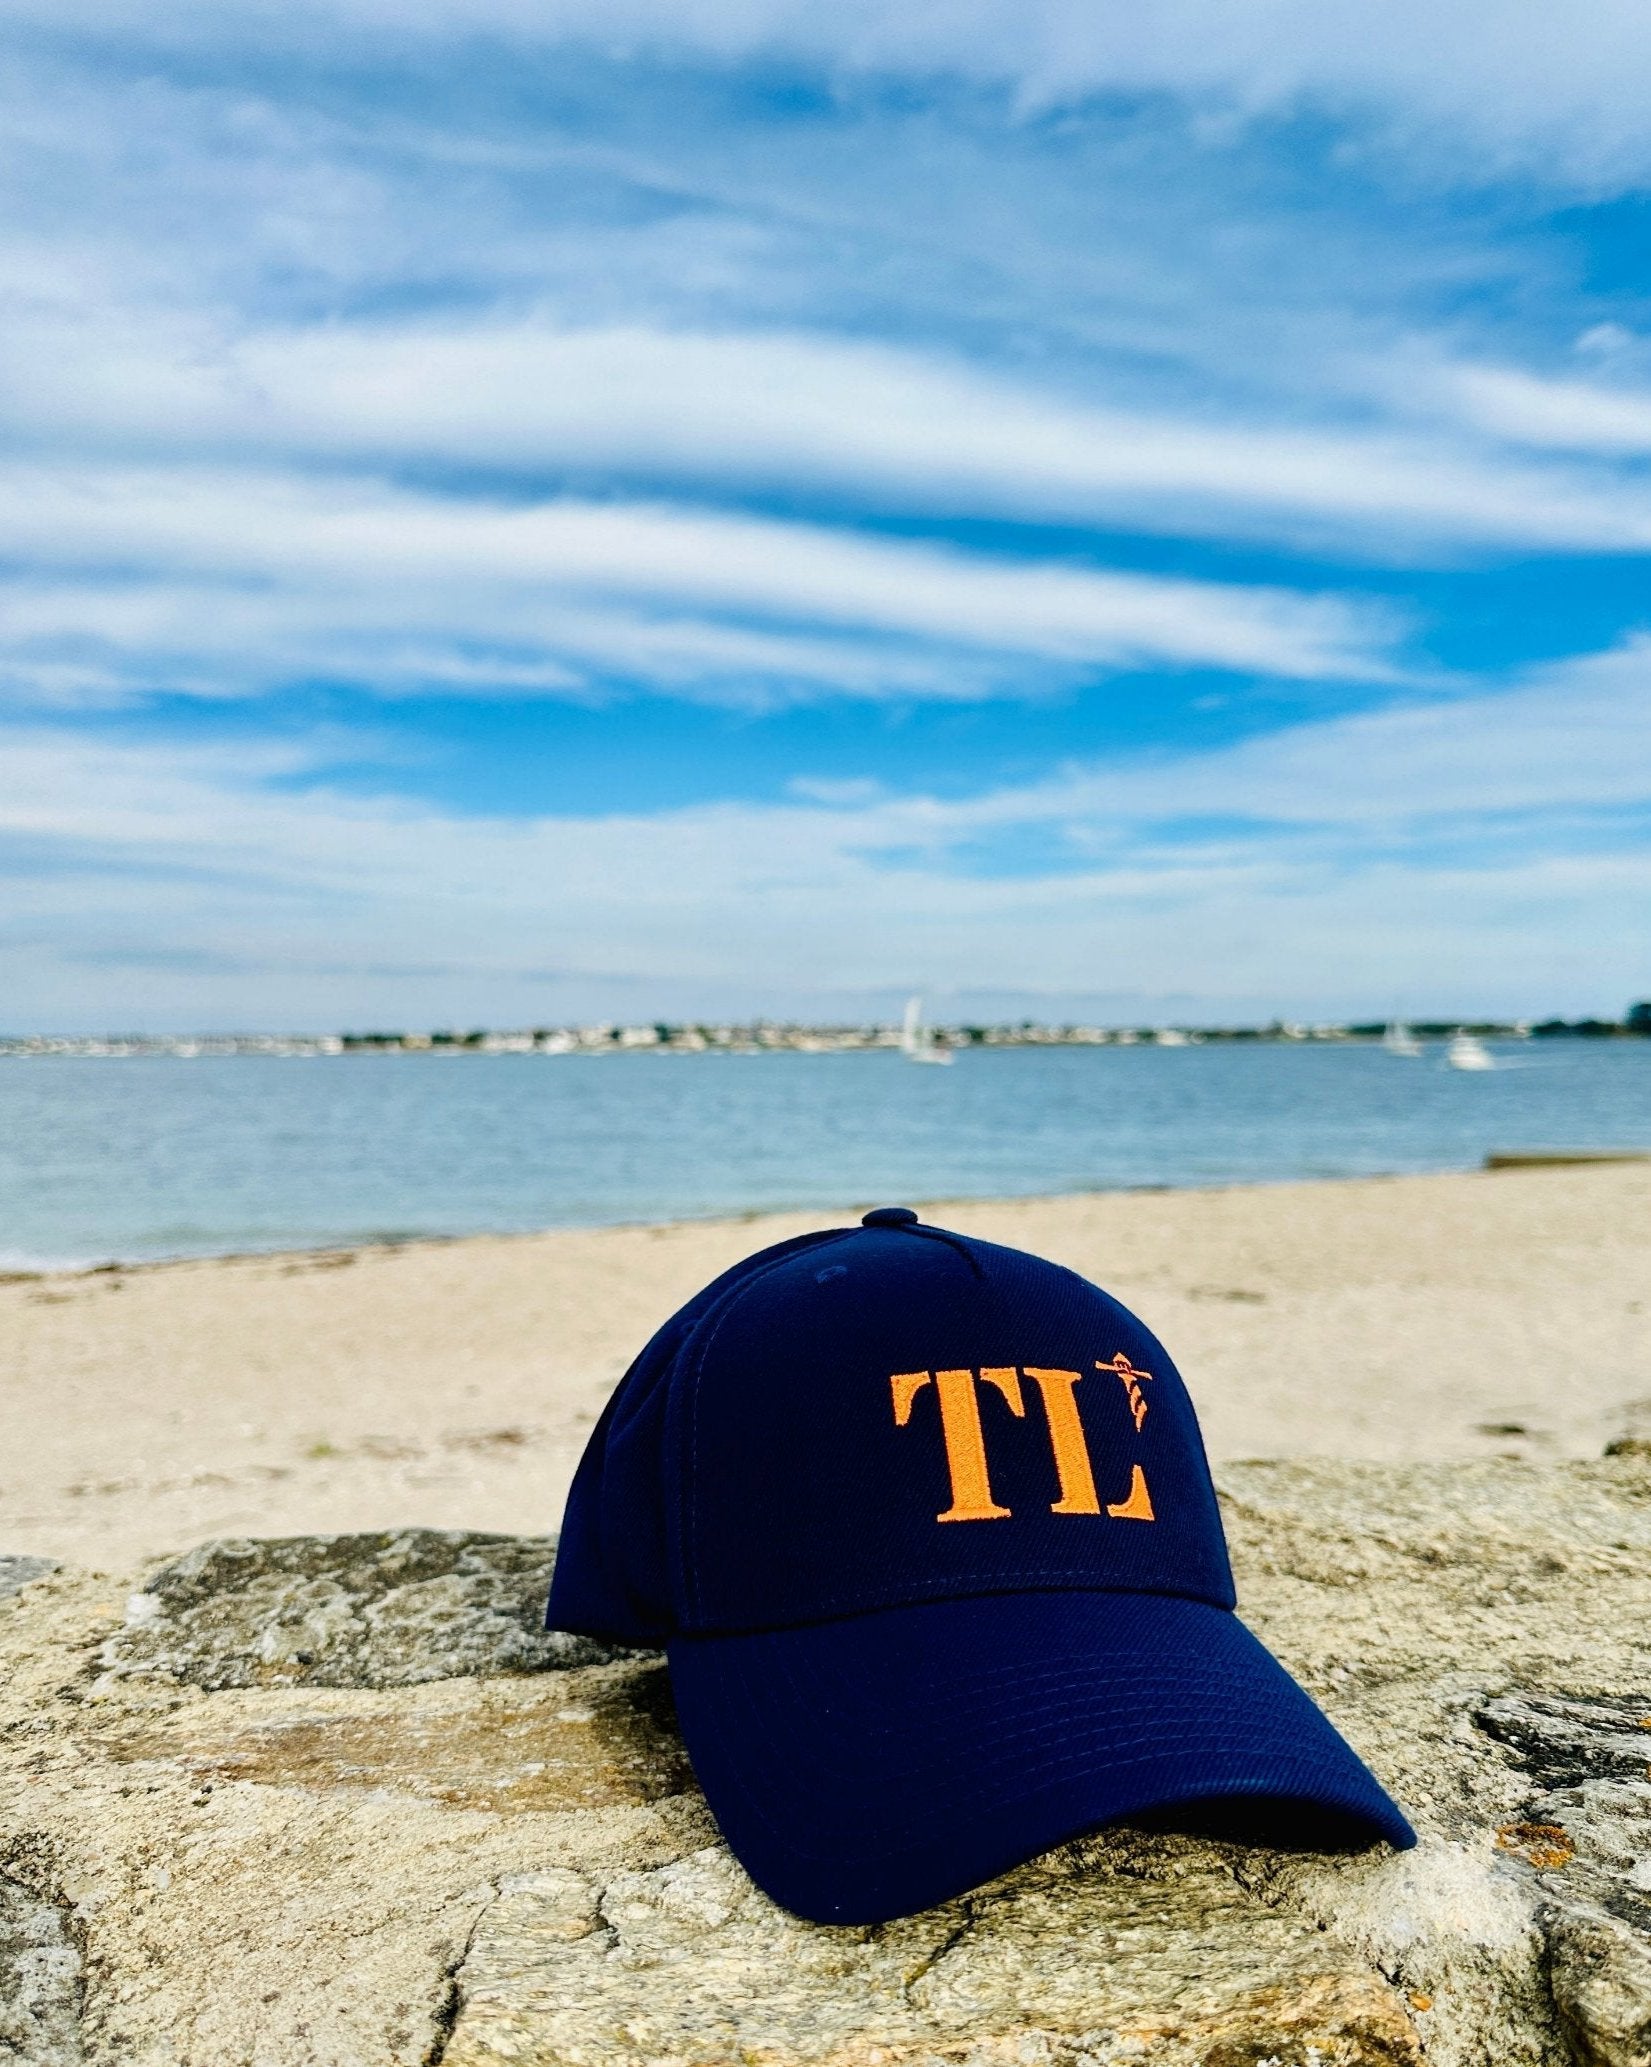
{"x": 871, "y": 1767}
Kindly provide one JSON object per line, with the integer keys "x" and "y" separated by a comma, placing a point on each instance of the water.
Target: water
{"x": 155, "y": 1156}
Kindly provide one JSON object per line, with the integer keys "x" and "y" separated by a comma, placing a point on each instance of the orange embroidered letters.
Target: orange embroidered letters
{"x": 960, "y": 1427}
{"x": 1138, "y": 1506}
{"x": 1078, "y": 1495}
{"x": 965, "y": 1440}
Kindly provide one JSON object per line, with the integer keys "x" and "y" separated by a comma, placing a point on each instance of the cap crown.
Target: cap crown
{"x": 877, "y": 1417}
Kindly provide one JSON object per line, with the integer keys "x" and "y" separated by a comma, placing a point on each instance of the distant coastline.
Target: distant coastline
{"x": 766, "y": 1036}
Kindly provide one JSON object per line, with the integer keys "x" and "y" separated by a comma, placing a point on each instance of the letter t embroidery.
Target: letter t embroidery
{"x": 960, "y": 1428}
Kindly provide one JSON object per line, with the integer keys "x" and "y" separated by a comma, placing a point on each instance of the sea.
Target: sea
{"x": 144, "y": 1157}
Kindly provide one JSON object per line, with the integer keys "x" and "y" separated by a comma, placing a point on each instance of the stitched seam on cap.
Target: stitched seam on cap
{"x": 691, "y": 1375}
{"x": 697, "y": 1365}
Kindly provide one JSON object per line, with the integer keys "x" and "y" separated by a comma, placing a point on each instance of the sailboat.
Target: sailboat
{"x": 1399, "y": 1040}
{"x": 1467, "y": 1051}
{"x": 917, "y": 1043}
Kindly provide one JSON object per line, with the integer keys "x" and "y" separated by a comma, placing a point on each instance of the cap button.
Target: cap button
{"x": 889, "y": 1216}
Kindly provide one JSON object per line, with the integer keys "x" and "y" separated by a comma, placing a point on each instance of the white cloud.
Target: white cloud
{"x": 1564, "y": 415}
{"x": 1143, "y": 319}
{"x": 900, "y": 428}
{"x": 92, "y": 641}
{"x": 1576, "y": 738}
{"x": 1348, "y": 884}
{"x": 1510, "y": 81}
{"x": 363, "y": 574}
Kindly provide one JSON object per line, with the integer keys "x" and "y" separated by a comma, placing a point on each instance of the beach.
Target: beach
{"x": 453, "y": 1383}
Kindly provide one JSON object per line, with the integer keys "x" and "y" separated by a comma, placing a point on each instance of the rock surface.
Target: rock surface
{"x": 386, "y": 1610}
{"x": 39, "y": 1982}
{"x": 1590, "y": 1828}
{"x": 18, "y": 1572}
{"x": 333, "y": 1802}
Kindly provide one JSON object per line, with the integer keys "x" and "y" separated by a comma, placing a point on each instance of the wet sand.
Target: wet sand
{"x": 453, "y": 1383}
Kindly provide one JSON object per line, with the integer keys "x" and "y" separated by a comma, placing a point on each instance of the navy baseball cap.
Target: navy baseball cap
{"x": 927, "y": 1531}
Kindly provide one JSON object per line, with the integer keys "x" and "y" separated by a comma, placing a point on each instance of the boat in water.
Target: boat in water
{"x": 917, "y": 1042}
{"x": 1399, "y": 1040}
{"x": 1467, "y": 1051}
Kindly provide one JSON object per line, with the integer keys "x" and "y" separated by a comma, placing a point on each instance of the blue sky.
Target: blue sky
{"x": 765, "y": 507}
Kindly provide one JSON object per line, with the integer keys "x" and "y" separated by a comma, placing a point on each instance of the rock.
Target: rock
{"x": 39, "y": 1983}
{"x": 1120, "y": 1948}
{"x": 590, "y": 1738}
{"x": 385, "y": 1610}
{"x": 417, "y": 1844}
{"x": 1568, "y": 1744}
{"x": 1588, "y": 1835}
{"x": 18, "y": 1572}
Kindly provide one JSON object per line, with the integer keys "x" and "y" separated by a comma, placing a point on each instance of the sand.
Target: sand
{"x": 453, "y": 1383}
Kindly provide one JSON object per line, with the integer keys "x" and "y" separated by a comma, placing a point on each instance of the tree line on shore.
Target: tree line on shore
{"x": 756, "y": 1037}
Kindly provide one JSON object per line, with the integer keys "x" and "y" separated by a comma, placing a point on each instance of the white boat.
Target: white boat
{"x": 917, "y": 1043}
{"x": 1399, "y": 1040}
{"x": 1467, "y": 1051}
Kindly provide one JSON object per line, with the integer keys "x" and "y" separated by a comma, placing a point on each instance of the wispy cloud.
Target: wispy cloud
{"x": 922, "y": 407}
{"x": 381, "y": 583}
{"x": 1337, "y": 860}
{"x": 900, "y": 429}
{"x": 1562, "y": 415}
{"x": 1478, "y": 80}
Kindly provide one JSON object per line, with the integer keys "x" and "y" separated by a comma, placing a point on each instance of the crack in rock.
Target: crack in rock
{"x": 446, "y": 2015}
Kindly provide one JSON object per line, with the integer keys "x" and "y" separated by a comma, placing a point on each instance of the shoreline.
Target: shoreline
{"x": 452, "y": 1381}
{"x": 18, "y": 1268}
